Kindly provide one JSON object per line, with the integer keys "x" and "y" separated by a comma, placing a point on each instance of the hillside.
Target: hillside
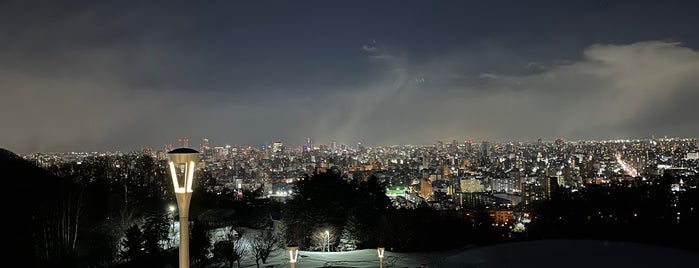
{"x": 28, "y": 189}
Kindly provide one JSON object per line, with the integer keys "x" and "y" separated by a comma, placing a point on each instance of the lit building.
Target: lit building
{"x": 537, "y": 188}
{"x": 469, "y": 145}
{"x": 503, "y": 185}
{"x": 471, "y": 185}
{"x": 184, "y": 142}
{"x": 277, "y": 146}
{"x": 425, "y": 188}
{"x": 204, "y": 146}
{"x": 485, "y": 148}
{"x": 500, "y": 217}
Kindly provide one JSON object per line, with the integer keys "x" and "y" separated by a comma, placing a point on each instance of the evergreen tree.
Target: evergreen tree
{"x": 155, "y": 230}
{"x": 328, "y": 200}
{"x": 133, "y": 244}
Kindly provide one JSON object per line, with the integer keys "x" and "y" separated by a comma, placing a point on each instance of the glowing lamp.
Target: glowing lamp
{"x": 293, "y": 255}
{"x": 182, "y": 162}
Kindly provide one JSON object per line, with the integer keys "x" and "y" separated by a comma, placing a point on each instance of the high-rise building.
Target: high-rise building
{"x": 184, "y": 142}
{"x": 425, "y": 188}
{"x": 308, "y": 144}
{"x": 439, "y": 145}
{"x": 277, "y": 146}
{"x": 204, "y": 146}
{"x": 502, "y": 185}
{"x": 537, "y": 188}
{"x": 485, "y": 148}
{"x": 169, "y": 146}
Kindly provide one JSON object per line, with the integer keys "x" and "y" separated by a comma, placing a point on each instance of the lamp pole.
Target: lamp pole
{"x": 182, "y": 162}
{"x": 380, "y": 251}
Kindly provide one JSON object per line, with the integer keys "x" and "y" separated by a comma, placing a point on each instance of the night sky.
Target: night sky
{"x": 121, "y": 75}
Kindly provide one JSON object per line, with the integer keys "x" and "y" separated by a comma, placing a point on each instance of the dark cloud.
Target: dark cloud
{"x": 119, "y": 76}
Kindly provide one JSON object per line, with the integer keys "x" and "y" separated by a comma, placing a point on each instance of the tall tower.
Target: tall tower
{"x": 308, "y": 144}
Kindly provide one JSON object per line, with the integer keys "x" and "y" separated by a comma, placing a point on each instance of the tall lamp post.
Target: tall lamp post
{"x": 182, "y": 162}
{"x": 380, "y": 251}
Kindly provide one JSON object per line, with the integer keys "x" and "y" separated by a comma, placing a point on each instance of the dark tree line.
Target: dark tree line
{"x": 46, "y": 213}
{"x": 361, "y": 211}
{"x": 649, "y": 213}
{"x": 327, "y": 201}
{"x": 76, "y": 214}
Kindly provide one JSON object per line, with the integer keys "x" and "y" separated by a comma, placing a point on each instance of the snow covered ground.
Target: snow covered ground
{"x": 544, "y": 253}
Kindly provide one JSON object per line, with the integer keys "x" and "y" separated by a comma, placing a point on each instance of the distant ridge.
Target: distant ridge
{"x": 18, "y": 171}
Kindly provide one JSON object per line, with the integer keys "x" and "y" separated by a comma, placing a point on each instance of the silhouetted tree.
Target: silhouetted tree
{"x": 155, "y": 230}
{"x": 200, "y": 243}
{"x": 133, "y": 244}
{"x": 103, "y": 251}
{"x": 371, "y": 202}
{"x": 327, "y": 199}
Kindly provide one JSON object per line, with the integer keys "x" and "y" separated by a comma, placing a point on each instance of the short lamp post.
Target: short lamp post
{"x": 182, "y": 162}
{"x": 293, "y": 256}
{"x": 380, "y": 251}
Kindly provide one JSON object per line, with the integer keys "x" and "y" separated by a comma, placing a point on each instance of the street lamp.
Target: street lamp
{"x": 327, "y": 239}
{"x": 293, "y": 256}
{"x": 182, "y": 162}
{"x": 380, "y": 251}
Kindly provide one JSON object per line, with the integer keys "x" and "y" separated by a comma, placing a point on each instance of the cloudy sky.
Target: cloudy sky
{"x": 121, "y": 75}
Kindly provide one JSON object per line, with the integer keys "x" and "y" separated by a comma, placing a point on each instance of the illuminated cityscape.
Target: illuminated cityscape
{"x": 507, "y": 182}
{"x": 359, "y": 133}
{"x": 441, "y": 173}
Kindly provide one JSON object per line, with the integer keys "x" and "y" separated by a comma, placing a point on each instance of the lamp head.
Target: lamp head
{"x": 182, "y": 155}
{"x": 380, "y": 251}
{"x": 293, "y": 253}
{"x": 182, "y": 162}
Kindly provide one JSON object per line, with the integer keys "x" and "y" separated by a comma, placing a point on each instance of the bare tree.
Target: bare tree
{"x": 323, "y": 238}
{"x": 232, "y": 249}
{"x": 263, "y": 244}
{"x": 61, "y": 220}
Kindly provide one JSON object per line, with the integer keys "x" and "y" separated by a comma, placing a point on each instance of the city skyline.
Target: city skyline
{"x": 115, "y": 76}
